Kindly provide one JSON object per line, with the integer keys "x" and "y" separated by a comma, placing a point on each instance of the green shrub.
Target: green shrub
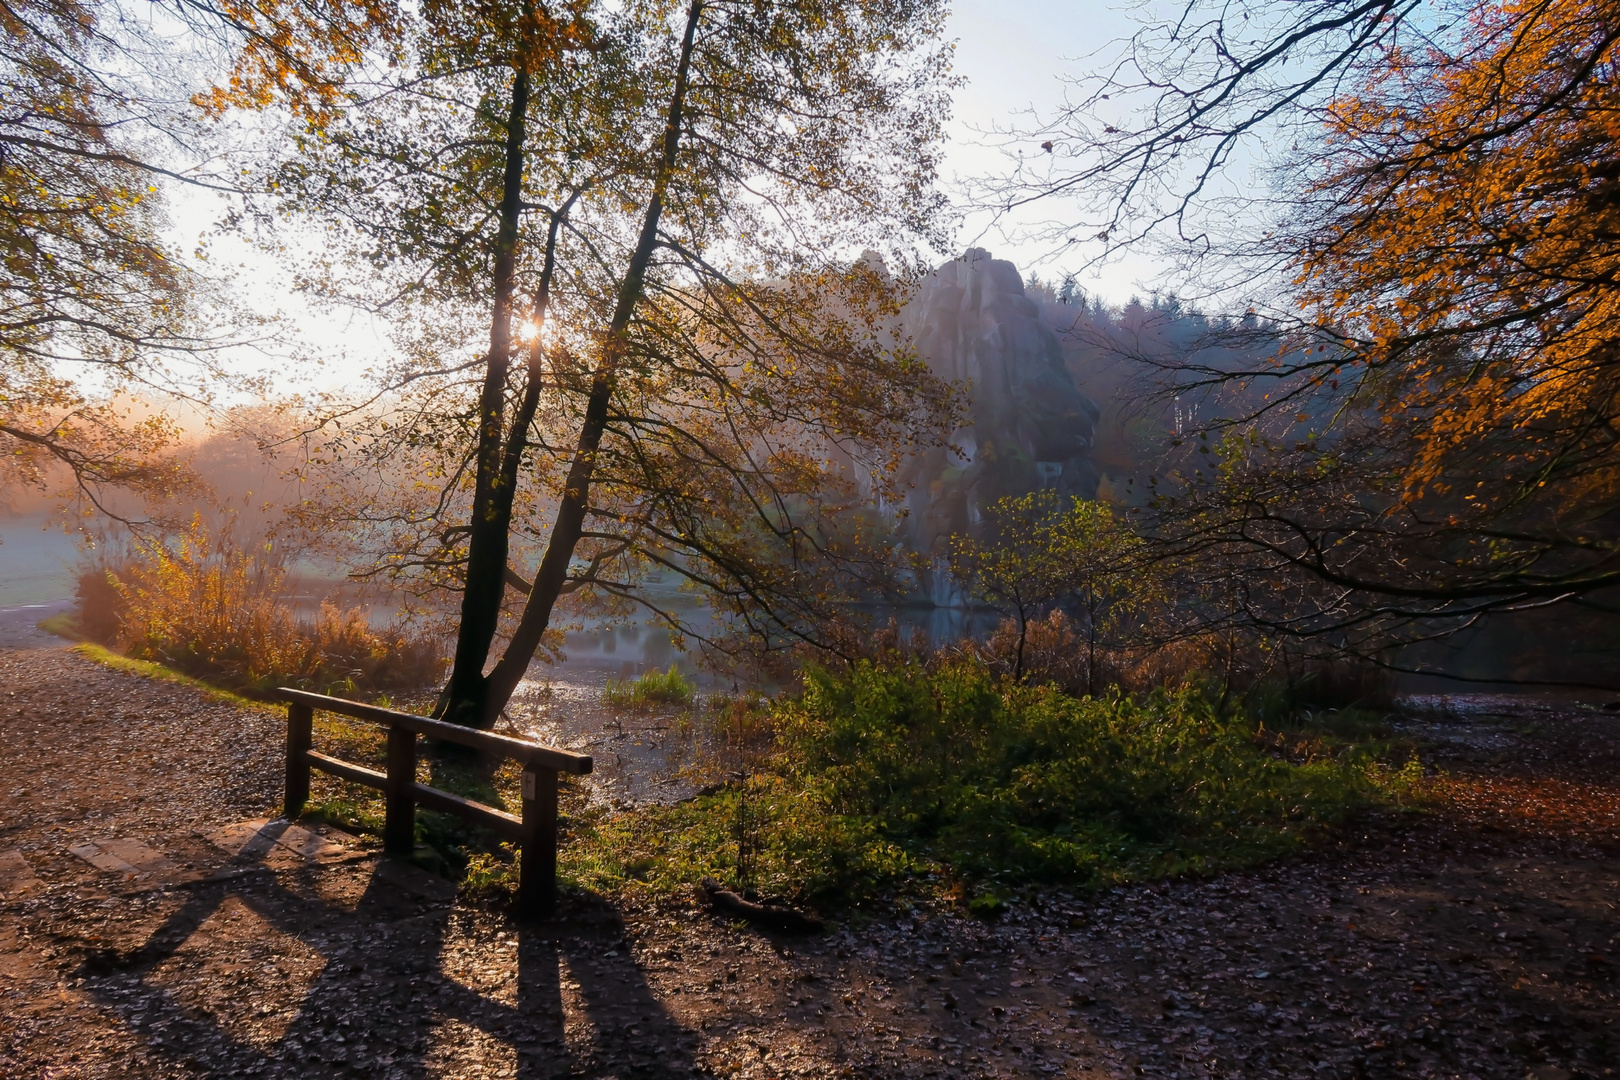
{"x": 765, "y": 835}
{"x": 993, "y": 778}
{"x": 652, "y": 689}
{"x": 964, "y": 782}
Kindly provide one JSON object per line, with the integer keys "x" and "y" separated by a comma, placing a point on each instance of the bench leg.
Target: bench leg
{"x": 399, "y": 823}
{"x": 537, "y": 881}
{"x": 300, "y": 734}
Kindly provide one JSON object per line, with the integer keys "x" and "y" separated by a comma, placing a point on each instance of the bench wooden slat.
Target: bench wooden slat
{"x": 523, "y": 750}
{"x": 347, "y": 770}
{"x": 507, "y": 826}
{"x": 499, "y": 822}
{"x": 535, "y": 832}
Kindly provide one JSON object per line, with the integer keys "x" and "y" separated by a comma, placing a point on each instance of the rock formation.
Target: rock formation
{"x": 1029, "y": 426}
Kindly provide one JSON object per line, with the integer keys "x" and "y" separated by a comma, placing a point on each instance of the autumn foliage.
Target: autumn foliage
{"x": 1470, "y": 251}
{"x": 205, "y": 605}
{"x": 1433, "y": 441}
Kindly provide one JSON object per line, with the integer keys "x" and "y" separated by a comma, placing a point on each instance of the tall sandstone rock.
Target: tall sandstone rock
{"x": 1029, "y": 426}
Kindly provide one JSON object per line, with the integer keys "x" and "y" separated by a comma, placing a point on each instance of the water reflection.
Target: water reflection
{"x": 641, "y": 755}
{"x": 649, "y": 755}
{"x": 626, "y": 648}
{"x": 937, "y": 627}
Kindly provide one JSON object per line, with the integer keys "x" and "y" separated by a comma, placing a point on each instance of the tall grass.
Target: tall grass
{"x": 215, "y": 610}
{"x": 652, "y": 689}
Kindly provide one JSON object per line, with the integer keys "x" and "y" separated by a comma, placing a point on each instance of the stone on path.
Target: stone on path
{"x": 126, "y": 856}
{"x": 262, "y": 838}
{"x": 276, "y": 844}
{"x": 310, "y": 845}
{"x": 245, "y": 839}
{"x": 16, "y": 876}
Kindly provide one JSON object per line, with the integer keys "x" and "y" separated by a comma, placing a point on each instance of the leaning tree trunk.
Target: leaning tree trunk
{"x": 489, "y": 528}
{"x": 570, "y": 523}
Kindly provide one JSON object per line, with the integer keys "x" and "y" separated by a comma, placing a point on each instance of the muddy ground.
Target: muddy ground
{"x": 1478, "y": 939}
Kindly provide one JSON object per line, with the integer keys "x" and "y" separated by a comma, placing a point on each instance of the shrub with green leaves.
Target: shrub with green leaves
{"x": 765, "y": 835}
{"x": 894, "y": 772}
{"x": 995, "y": 779}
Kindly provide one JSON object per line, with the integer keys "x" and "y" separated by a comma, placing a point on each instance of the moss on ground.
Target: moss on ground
{"x": 148, "y": 669}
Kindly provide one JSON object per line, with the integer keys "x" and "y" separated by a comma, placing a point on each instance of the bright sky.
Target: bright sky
{"x": 1013, "y": 54}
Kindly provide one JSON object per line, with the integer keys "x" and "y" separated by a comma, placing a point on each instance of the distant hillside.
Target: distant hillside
{"x": 1066, "y": 393}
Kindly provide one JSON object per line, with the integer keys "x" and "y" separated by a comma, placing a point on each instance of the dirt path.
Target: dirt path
{"x": 1477, "y": 941}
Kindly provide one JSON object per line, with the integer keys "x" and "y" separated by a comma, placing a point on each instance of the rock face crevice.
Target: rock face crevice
{"x": 1029, "y": 426}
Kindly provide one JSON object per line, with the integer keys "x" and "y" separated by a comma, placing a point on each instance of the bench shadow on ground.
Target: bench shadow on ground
{"x": 579, "y": 1004}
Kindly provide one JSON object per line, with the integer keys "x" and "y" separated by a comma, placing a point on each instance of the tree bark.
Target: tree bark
{"x": 570, "y": 522}
{"x": 512, "y": 461}
{"x": 488, "y": 537}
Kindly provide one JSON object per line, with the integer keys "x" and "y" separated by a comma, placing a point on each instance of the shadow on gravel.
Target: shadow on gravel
{"x": 372, "y": 999}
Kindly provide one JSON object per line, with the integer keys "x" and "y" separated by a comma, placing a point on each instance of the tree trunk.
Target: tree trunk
{"x": 1023, "y": 632}
{"x": 488, "y": 533}
{"x": 512, "y": 461}
{"x": 1091, "y": 657}
{"x": 570, "y": 521}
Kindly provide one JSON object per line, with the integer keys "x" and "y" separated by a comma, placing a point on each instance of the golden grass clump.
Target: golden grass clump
{"x": 207, "y": 606}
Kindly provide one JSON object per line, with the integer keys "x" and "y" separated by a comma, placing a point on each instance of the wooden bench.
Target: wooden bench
{"x": 535, "y": 831}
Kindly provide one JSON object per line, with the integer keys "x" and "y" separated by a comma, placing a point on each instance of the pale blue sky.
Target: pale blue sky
{"x": 1015, "y": 56}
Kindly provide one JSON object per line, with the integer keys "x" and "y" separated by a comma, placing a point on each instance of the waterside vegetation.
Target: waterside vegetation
{"x": 205, "y": 606}
{"x": 899, "y": 781}
{"x": 948, "y": 780}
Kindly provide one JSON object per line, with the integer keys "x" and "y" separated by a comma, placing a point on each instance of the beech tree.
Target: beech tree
{"x": 655, "y": 213}
{"x": 1442, "y": 442}
{"x": 1048, "y": 552}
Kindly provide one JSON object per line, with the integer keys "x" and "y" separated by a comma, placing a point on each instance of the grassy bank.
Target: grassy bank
{"x": 200, "y": 603}
{"x": 150, "y": 669}
{"x": 950, "y": 781}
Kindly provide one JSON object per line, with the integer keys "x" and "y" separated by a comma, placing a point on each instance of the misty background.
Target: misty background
{"x": 1013, "y": 59}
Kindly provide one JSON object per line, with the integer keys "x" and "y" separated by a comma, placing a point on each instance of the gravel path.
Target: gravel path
{"x": 1474, "y": 941}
